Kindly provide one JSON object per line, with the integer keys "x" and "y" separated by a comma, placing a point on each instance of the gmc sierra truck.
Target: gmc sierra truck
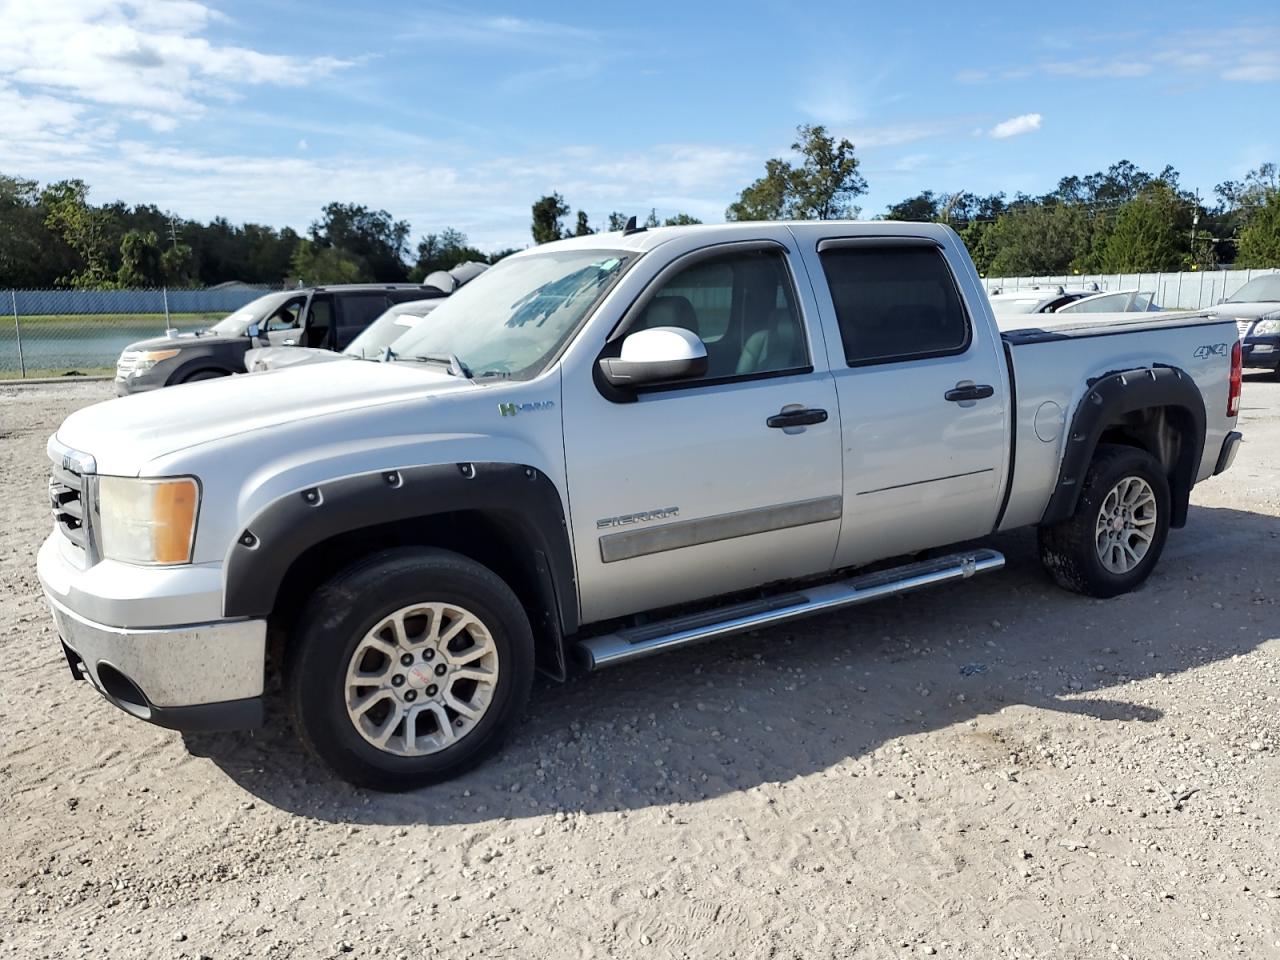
{"x": 601, "y": 449}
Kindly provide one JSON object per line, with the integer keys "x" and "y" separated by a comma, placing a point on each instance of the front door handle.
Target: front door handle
{"x": 969, "y": 391}
{"x": 797, "y": 418}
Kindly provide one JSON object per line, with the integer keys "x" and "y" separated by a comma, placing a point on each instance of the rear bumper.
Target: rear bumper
{"x": 206, "y": 676}
{"x": 1226, "y": 456}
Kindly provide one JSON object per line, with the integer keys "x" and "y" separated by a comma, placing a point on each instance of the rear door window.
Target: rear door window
{"x": 895, "y": 303}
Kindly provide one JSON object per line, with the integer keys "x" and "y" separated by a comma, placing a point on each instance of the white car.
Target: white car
{"x": 372, "y": 344}
{"x": 1036, "y": 300}
{"x": 1119, "y": 301}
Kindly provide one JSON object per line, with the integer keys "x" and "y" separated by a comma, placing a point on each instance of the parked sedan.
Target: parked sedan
{"x": 370, "y": 345}
{"x": 1256, "y": 310}
{"x": 1121, "y": 301}
{"x": 1036, "y": 300}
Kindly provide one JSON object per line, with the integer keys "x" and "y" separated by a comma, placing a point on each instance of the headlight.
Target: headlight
{"x": 148, "y": 521}
{"x": 149, "y": 358}
{"x": 1267, "y": 326}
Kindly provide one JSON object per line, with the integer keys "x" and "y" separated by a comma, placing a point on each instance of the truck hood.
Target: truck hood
{"x": 123, "y": 435}
{"x": 1245, "y": 311}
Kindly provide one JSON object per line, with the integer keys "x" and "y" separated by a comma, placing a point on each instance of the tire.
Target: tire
{"x": 204, "y": 375}
{"x": 1077, "y": 551}
{"x": 429, "y": 592}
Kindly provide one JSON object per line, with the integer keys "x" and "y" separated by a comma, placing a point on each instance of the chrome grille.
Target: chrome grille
{"x": 1243, "y": 326}
{"x": 125, "y": 365}
{"x": 66, "y": 498}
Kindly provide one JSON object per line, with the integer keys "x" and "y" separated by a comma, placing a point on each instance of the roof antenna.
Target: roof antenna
{"x": 631, "y": 227}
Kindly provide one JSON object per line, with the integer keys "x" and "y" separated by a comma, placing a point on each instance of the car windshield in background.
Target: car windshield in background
{"x": 1259, "y": 290}
{"x": 237, "y": 323}
{"x": 388, "y": 328}
{"x": 513, "y": 319}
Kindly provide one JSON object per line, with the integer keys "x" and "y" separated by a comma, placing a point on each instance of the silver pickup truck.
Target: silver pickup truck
{"x": 601, "y": 449}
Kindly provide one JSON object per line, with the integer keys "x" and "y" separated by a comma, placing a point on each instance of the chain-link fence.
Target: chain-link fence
{"x": 1189, "y": 290}
{"x": 50, "y": 333}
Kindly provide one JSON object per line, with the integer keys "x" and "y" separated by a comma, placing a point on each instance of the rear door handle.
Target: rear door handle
{"x": 969, "y": 391}
{"x": 797, "y": 418}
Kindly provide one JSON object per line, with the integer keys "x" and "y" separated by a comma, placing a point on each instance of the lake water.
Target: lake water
{"x": 89, "y": 344}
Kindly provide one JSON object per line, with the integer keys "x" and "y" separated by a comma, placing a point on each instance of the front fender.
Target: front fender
{"x": 519, "y": 495}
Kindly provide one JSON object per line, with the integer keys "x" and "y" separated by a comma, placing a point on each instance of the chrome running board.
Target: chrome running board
{"x": 643, "y": 641}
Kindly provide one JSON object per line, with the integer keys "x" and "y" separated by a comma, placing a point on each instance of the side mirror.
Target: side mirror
{"x": 656, "y": 356}
{"x": 254, "y": 331}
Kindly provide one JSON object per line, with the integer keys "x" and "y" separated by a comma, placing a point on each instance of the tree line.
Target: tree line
{"x": 1119, "y": 220}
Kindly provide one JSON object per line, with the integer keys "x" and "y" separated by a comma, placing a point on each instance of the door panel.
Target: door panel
{"x": 923, "y": 399}
{"x": 688, "y": 491}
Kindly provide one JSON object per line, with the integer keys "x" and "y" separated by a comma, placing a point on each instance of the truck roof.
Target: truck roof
{"x": 642, "y": 241}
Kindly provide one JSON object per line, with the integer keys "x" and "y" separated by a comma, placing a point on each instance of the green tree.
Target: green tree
{"x": 443, "y": 251}
{"x": 1259, "y": 244}
{"x": 31, "y": 255}
{"x": 680, "y": 220}
{"x": 548, "y": 212}
{"x": 583, "y": 228}
{"x": 370, "y": 238}
{"x": 178, "y": 265}
{"x": 1146, "y": 237}
{"x": 652, "y": 219}
{"x": 140, "y": 260}
{"x": 313, "y": 263}
{"x": 617, "y": 221}
{"x": 84, "y": 228}
{"x": 822, "y": 186}
{"x": 1035, "y": 240}
{"x": 923, "y": 207}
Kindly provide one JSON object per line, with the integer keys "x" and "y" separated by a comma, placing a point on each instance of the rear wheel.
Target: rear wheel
{"x": 409, "y": 668}
{"x": 1114, "y": 539}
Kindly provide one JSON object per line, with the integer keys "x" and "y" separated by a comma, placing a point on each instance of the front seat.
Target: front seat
{"x": 772, "y": 347}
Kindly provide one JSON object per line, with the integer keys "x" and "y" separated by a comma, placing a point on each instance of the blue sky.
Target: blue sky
{"x": 462, "y": 115}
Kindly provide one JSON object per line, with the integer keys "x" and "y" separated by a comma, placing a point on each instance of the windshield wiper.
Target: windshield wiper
{"x": 451, "y": 360}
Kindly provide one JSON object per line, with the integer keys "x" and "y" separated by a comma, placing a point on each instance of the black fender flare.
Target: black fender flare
{"x": 1110, "y": 398}
{"x": 524, "y": 498}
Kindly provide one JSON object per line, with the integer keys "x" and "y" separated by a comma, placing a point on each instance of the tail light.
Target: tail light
{"x": 1233, "y": 391}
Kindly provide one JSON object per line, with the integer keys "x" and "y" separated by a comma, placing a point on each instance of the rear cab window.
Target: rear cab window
{"x": 894, "y": 302}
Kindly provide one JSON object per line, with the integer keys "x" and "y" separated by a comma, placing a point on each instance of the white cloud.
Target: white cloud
{"x": 147, "y": 59}
{"x": 1015, "y": 126}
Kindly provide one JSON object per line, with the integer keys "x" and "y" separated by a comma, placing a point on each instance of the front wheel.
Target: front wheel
{"x": 1112, "y": 542}
{"x": 409, "y": 668}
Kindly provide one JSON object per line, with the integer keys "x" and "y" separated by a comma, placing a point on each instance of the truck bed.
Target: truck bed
{"x": 1053, "y": 364}
{"x": 1036, "y": 328}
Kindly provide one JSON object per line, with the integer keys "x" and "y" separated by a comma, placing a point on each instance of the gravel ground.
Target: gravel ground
{"x": 998, "y": 769}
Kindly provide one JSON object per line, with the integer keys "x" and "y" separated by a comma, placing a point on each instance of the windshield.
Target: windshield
{"x": 388, "y": 328}
{"x": 1260, "y": 290}
{"x": 512, "y": 320}
{"x": 237, "y": 323}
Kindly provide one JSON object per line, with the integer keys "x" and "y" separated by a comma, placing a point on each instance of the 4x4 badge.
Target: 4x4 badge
{"x": 511, "y": 409}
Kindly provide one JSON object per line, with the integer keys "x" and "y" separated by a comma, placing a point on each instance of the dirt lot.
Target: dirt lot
{"x": 998, "y": 769}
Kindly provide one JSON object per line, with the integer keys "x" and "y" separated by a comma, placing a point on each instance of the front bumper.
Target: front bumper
{"x": 205, "y": 676}
{"x": 189, "y": 676}
{"x": 1261, "y": 352}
